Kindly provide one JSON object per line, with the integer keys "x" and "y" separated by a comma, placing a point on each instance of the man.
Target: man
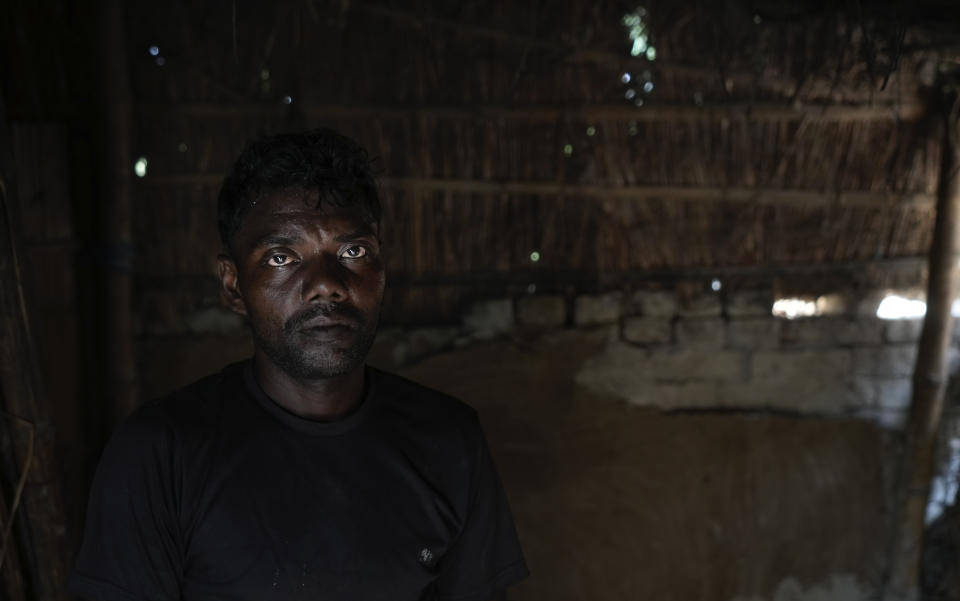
{"x": 301, "y": 473}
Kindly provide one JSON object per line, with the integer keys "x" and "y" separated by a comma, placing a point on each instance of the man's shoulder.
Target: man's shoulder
{"x": 190, "y": 406}
{"x": 422, "y": 403}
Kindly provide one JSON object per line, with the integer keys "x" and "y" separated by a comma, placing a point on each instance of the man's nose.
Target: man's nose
{"x": 324, "y": 279}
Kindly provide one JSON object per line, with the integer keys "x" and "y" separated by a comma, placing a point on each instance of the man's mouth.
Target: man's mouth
{"x": 328, "y": 322}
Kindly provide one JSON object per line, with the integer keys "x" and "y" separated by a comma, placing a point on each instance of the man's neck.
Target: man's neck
{"x": 321, "y": 399}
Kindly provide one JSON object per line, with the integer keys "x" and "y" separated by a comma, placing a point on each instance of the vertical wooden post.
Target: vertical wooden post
{"x": 115, "y": 223}
{"x": 39, "y": 531}
{"x": 930, "y": 375}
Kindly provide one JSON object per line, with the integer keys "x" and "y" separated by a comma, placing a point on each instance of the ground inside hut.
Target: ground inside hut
{"x": 644, "y": 504}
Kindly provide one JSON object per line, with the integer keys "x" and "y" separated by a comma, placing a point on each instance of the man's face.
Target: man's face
{"x": 310, "y": 280}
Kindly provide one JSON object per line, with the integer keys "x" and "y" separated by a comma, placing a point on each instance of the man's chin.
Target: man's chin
{"x": 321, "y": 366}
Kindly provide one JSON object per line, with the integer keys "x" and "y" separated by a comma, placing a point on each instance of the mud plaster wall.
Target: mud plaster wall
{"x": 657, "y": 443}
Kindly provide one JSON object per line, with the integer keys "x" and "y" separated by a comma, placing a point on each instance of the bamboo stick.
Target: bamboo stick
{"x": 930, "y": 375}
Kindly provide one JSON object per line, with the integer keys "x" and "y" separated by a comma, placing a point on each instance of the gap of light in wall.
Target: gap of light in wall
{"x": 792, "y": 308}
{"x": 898, "y": 307}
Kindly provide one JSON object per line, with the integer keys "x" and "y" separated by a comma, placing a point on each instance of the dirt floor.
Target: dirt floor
{"x": 616, "y": 502}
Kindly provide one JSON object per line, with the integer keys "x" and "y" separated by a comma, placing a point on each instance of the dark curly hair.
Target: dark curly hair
{"x": 321, "y": 160}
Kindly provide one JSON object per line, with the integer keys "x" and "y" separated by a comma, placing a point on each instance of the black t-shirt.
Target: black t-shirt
{"x": 216, "y": 492}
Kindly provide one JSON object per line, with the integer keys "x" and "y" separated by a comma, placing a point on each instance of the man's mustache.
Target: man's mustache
{"x": 340, "y": 311}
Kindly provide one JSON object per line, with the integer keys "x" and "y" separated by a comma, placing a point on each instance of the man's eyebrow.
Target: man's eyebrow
{"x": 364, "y": 232}
{"x": 275, "y": 239}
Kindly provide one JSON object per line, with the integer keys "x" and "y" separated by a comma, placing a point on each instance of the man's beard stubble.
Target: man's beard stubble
{"x": 299, "y": 363}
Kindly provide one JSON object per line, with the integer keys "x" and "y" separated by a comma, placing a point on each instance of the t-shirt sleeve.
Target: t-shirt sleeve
{"x": 131, "y": 548}
{"x": 487, "y": 557}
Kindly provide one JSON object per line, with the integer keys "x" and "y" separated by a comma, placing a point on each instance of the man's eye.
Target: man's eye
{"x": 355, "y": 252}
{"x": 278, "y": 260}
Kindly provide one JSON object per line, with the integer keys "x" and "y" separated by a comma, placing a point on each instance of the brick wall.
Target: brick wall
{"x": 680, "y": 350}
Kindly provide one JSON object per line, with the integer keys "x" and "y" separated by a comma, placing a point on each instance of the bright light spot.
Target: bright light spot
{"x": 288, "y": 99}
{"x": 791, "y": 308}
{"x": 716, "y": 285}
{"x": 568, "y": 149}
{"x": 625, "y": 78}
{"x": 638, "y": 102}
{"x": 160, "y": 61}
{"x": 534, "y": 256}
{"x": 531, "y": 288}
{"x": 140, "y": 167}
{"x": 898, "y": 307}
{"x": 264, "y": 74}
{"x": 637, "y": 31}
{"x": 757, "y": 20}
{"x": 648, "y": 87}
{"x": 629, "y": 94}
{"x": 153, "y": 50}
{"x": 182, "y": 147}
{"x": 591, "y": 131}
{"x": 651, "y": 53}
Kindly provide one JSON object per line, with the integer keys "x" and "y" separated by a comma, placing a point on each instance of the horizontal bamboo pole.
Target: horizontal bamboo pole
{"x": 913, "y": 265}
{"x": 547, "y": 113}
{"x": 704, "y": 194}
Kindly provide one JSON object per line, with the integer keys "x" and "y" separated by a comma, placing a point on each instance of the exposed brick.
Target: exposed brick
{"x": 887, "y": 361}
{"x": 903, "y": 330}
{"x": 894, "y": 393}
{"x": 829, "y": 395}
{"x": 628, "y": 372}
{"x": 701, "y": 332}
{"x": 598, "y": 309}
{"x": 828, "y": 331}
{"x": 679, "y": 395}
{"x": 705, "y": 304}
{"x": 863, "y": 392}
{"x": 794, "y": 366}
{"x": 750, "y": 303}
{"x": 647, "y": 330}
{"x": 654, "y": 303}
{"x": 541, "y": 311}
{"x": 865, "y": 330}
{"x": 489, "y": 319}
{"x": 754, "y": 333}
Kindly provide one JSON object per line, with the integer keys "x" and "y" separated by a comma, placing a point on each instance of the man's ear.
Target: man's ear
{"x": 229, "y": 286}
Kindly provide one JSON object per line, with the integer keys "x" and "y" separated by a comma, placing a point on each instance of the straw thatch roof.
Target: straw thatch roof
{"x": 762, "y": 138}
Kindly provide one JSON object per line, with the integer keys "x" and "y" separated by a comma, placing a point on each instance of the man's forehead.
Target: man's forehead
{"x": 293, "y": 211}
